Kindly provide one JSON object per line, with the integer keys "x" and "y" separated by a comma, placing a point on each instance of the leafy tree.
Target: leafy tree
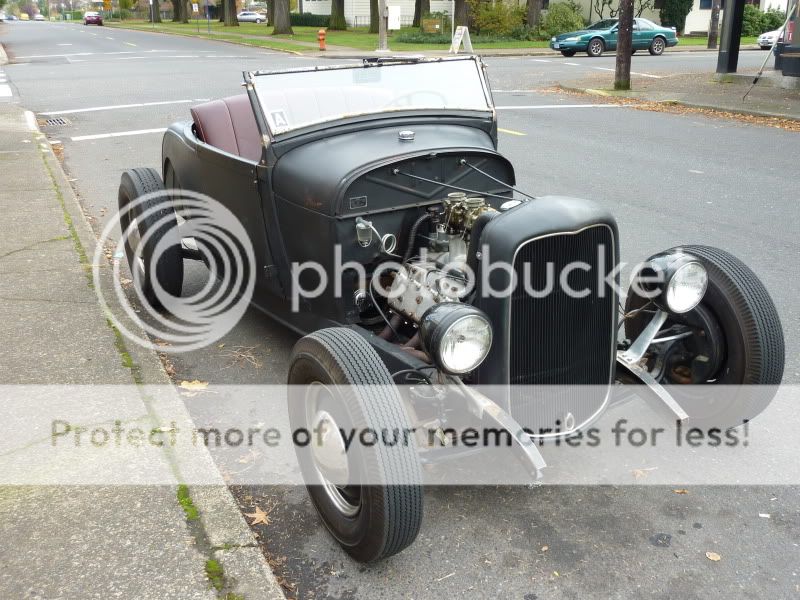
{"x": 772, "y": 19}
{"x": 673, "y": 13}
{"x": 560, "y": 18}
{"x": 282, "y": 24}
{"x": 337, "y": 22}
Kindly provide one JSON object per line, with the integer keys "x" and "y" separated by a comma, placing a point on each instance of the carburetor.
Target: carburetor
{"x": 461, "y": 211}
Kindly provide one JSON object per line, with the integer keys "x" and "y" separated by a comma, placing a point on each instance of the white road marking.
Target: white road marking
{"x": 101, "y": 136}
{"x": 131, "y": 57}
{"x": 73, "y": 111}
{"x": 130, "y": 43}
{"x": 647, "y": 75}
{"x": 573, "y": 64}
{"x": 65, "y": 44}
{"x": 30, "y": 119}
{"x": 603, "y": 69}
{"x": 180, "y": 56}
{"x": 5, "y": 90}
{"x": 541, "y": 60}
{"x": 549, "y": 106}
{"x": 695, "y": 171}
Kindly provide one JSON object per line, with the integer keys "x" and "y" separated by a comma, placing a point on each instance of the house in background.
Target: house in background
{"x": 699, "y": 19}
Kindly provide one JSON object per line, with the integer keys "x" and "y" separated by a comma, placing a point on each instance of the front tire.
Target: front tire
{"x": 657, "y": 46}
{"x": 568, "y": 53}
{"x": 337, "y": 382}
{"x": 596, "y": 47}
{"x": 155, "y": 216}
{"x": 737, "y": 328}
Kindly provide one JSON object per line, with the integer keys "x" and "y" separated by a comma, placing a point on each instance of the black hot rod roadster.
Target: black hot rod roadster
{"x": 392, "y": 166}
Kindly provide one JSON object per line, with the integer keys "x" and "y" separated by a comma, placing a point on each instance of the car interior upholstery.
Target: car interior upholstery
{"x": 229, "y": 124}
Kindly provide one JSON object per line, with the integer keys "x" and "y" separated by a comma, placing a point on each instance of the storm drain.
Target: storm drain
{"x": 56, "y": 122}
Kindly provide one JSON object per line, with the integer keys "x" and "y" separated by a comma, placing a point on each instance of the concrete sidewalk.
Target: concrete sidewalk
{"x": 92, "y": 541}
{"x": 704, "y": 91}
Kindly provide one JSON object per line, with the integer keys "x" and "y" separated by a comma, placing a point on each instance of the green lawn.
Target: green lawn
{"x": 357, "y": 38}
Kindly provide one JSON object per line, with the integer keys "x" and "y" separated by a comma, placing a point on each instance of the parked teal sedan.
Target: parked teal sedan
{"x": 602, "y": 36}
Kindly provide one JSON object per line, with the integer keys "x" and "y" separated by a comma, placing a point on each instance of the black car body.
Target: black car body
{"x": 396, "y": 161}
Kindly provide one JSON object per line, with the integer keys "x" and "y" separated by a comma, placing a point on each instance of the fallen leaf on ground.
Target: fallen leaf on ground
{"x": 640, "y": 473}
{"x": 681, "y": 491}
{"x": 545, "y": 548}
{"x": 259, "y": 516}
{"x": 194, "y": 385}
{"x": 713, "y": 556}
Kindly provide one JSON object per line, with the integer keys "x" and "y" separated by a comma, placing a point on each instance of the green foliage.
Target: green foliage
{"x": 756, "y": 22}
{"x": 309, "y": 20}
{"x": 215, "y": 574}
{"x": 497, "y": 17}
{"x": 562, "y": 17}
{"x": 673, "y": 13}
{"x": 185, "y": 500}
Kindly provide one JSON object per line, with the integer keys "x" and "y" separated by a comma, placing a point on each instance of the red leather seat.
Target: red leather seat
{"x": 229, "y": 124}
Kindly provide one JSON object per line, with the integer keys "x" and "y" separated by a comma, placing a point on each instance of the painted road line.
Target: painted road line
{"x": 30, "y": 119}
{"x": 102, "y": 136}
{"x": 180, "y": 56}
{"x": 573, "y": 64}
{"x": 647, "y": 75}
{"x": 65, "y": 44}
{"x": 130, "y": 43}
{"x": 72, "y": 111}
{"x": 5, "y": 90}
{"x": 603, "y": 69}
{"x": 132, "y": 57}
{"x": 551, "y": 106}
{"x": 541, "y": 60}
{"x": 109, "y": 38}
{"x": 510, "y": 131}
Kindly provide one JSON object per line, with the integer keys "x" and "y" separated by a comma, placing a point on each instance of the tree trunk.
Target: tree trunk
{"x": 713, "y": 28}
{"x": 221, "y": 8}
{"x": 156, "y": 12}
{"x": 282, "y": 23}
{"x": 534, "y": 12}
{"x": 176, "y": 11}
{"x": 187, "y": 9}
{"x": 374, "y": 16}
{"x": 337, "y": 22}
{"x": 415, "y": 22}
{"x": 421, "y": 8}
{"x": 230, "y": 14}
{"x": 461, "y": 13}
{"x": 271, "y": 12}
{"x": 622, "y": 76}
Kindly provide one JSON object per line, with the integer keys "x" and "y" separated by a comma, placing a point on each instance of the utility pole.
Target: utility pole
{"x": 622, "y": 75}
{"x": 383, "y": 43}
{"x": 713, "y": 28}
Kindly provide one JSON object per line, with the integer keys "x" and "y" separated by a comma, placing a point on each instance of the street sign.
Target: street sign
{"x": 394, "y": 18}
{"x": 195, "y": 8}
{"x": 107, "y": 4}
{"x": 461, "y": 36}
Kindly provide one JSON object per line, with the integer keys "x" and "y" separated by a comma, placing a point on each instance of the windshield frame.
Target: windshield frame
{"x": 271, "y": 136}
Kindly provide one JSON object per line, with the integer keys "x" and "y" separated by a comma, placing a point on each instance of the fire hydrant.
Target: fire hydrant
{"x": 321, "y": 39}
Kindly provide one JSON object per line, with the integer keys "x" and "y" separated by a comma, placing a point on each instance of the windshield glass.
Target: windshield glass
{"x": 296, "y": 99}
{"x": 604, "y": 24}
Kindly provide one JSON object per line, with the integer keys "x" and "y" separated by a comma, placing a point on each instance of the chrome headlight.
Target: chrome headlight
{"x": 456, "y": 336}
{"x": 553, "y": 39}
{"x": 676, "y": 282}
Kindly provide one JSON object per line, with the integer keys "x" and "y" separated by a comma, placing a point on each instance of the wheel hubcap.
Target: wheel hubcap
{"x": 134, "y": 243}
{"x": 595, "y": 47}
{"x": 329, "y": 453}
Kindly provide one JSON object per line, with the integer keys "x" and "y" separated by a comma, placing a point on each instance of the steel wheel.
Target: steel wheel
{"x": 596, "y": 47}
{"x": 657, "y": 46}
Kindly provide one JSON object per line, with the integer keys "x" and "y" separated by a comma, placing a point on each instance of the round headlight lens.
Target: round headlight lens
{"x": 465, "y": 344}
{"x": 686, "y": 287}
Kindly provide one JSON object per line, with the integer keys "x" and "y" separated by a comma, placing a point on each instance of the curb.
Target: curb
{"x": 356, "y": 54}
{"x": 720, "y": 109}
{"x": 233, "y": 544}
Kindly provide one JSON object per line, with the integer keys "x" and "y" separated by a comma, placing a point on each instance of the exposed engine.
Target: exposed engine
{"x": 439, "y": 273}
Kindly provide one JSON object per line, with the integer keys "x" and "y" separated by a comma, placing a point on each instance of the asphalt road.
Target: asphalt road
{"x": 669, "y": 179}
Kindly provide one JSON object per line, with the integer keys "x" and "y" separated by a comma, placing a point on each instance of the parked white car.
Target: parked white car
{"x": 247, "y": 16}
{"x": 765, "y": 40}
{"x": 39, "y": 17}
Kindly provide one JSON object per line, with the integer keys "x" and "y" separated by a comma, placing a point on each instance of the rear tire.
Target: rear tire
{"x": 596, "y": 47}
{"x": 657, "y": 46}
{"x": 336, "y": 373}
{"x": 156, "y": 212}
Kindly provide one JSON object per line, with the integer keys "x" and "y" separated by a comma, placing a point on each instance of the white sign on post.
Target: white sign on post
{"x": 394, "y": 18}
{"x": 461, "y": 36}
{"x": 195, "y": 8}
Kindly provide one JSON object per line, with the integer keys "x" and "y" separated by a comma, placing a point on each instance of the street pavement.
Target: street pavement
{"x": 668, "y": 178}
